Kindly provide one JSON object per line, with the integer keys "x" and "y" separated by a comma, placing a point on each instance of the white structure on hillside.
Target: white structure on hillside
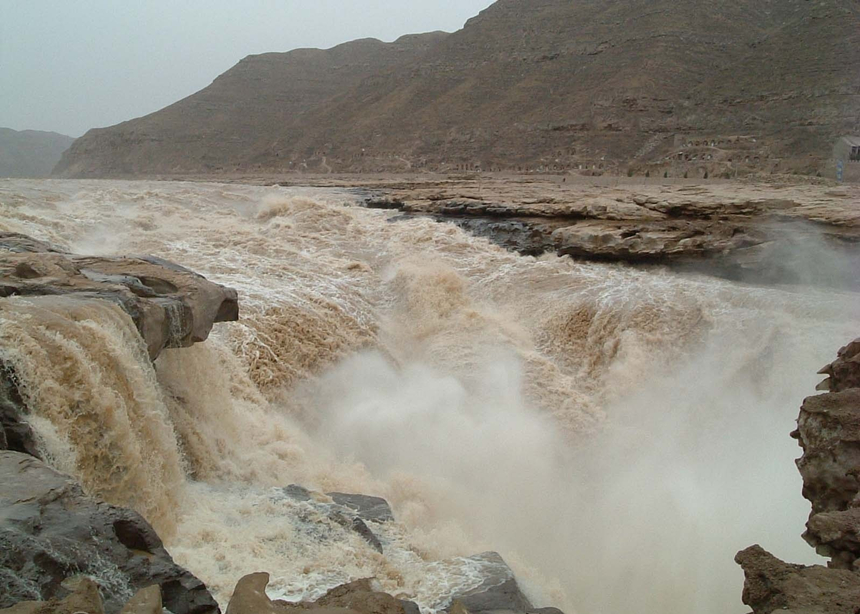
{"x": 847, "y": 149}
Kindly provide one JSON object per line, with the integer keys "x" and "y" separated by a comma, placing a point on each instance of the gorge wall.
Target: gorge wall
{"x": 369, "y": 342}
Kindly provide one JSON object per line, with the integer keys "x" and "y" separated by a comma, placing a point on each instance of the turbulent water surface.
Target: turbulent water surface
{"x": 616, "y": 434}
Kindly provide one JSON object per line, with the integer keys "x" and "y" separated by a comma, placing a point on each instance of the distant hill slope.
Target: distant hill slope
{"x": 254, "y": 104}
{"x": 30, "y": 153}
{"x": 658, "y": 85}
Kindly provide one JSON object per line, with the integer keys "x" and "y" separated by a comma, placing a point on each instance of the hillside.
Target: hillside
{"x": 30, "y": 153}
{"x": 255, "y": 103}
{"x": 551, "y": 85}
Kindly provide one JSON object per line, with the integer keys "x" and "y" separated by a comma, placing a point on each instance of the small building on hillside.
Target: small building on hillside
{"x": 847, "y": 149}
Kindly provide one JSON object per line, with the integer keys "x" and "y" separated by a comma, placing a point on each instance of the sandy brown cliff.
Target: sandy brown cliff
{"x": 634, "y": 86}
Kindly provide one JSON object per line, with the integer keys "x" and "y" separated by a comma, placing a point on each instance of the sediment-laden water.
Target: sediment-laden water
{"x": 616, "y": 434}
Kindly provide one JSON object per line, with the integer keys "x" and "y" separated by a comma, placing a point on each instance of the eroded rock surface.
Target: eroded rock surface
{"x": 497, "y": 590}
{"x": 829, "y": 433}
{"x": 171, "y": 306}
{"x": 769, "y": 234}
{"x": 371, "y": 509}
{"x": 50, "y": 531}
{"x": 350, "y": 511}
{"x": 774, "y": 586}
{"x": 353, "y": 598}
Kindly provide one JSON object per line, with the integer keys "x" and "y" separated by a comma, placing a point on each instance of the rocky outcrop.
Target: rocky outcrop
{"x": 371, "y": 509}
{"x": 350, "y": 511}
{"x": 171, "y": 306}
{"x": 792, "y": 234}
{"x": 50, "y": 531}
{"x": 491, "y": 586}
{"x": 497, "y": 589}
{"x": 774, "y": 586}
{"x": 354, "y": 598}
{"x": 829, "y": 432}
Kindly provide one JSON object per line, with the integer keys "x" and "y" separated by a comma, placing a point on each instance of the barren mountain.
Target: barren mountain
{"x": 225, "y": 126}
{"x": 30, "y": 153}
{"x": 635, "y": 85}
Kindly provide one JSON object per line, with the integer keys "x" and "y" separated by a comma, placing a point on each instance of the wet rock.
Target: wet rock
{"x": 497, "y": 590}
{"x": 297, "y": 493}
{"x": 371, "y": 509}
{"x": 774, "y": 586}
{"x": 170, "y": 305}
{"x": 347, "y": 511}
{"x": 15, "y": 433}
{"x": 50, "y": 531}
{"x": 359, "y": 596}
{"x": 354, "y": 598}
{"x": 360, "y": 527}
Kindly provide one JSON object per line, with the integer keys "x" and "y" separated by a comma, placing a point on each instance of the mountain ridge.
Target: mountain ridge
{"x": 30, "y": 153}
{"x": 541, "y": 85}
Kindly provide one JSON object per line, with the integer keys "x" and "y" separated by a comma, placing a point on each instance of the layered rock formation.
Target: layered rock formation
{"x": 792, "y": 234}
{"x": 829, "y": 433}
{"x": 50, "y": 531}
{"x": 170, "y": 305}
{"x": 663, "y": 86}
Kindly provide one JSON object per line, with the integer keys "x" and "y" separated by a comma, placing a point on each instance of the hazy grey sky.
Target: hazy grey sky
{"x": 72, "y": 65}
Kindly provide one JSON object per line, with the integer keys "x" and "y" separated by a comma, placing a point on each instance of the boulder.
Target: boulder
{"x": 497, "y": 589}
{"x": 371, "y": 509}
{"x": 50, "y": 531}
{"x": 170, "y": 305}
{"x": 347, "y": 511}
{"x": 249, "y": 597}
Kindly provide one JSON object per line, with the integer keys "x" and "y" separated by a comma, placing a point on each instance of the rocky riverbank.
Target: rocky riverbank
{"x": 806, "y": 234}
{"x": 829, "y": 433}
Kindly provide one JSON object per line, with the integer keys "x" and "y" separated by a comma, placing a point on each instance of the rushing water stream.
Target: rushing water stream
{"x": 616, "y": 434}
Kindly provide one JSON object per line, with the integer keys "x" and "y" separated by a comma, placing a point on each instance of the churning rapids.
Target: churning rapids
{"x": 617, "y": 434}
